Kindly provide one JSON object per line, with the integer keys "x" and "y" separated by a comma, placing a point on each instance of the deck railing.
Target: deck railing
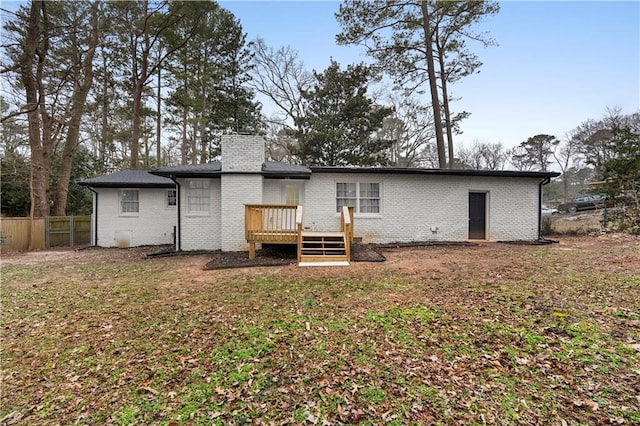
{"x": 299, "y": 231}
{"x": 346, "y": 226}
{"x": 270, "y": 223}
{"x": 282, "y": 224}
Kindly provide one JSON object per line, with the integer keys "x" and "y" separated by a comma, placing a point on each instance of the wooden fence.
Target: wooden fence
{"x": 52, "y": 231}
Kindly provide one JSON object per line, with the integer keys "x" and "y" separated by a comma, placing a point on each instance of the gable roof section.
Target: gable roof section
{"x": 437, "y": 172}
{"x": 130, "y": 178}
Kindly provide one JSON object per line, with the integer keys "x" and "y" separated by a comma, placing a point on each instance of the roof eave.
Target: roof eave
{"x": 442, "y": 172}
{"x": 127, "y": 185}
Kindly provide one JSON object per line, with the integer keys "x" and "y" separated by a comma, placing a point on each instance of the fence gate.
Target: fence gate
{"x": 67, "y": 231}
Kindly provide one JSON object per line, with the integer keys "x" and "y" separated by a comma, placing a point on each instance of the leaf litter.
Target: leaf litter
{"x": 491, "y": 333}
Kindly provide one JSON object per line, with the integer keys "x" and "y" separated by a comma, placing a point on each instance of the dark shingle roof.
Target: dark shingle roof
{"x": 214, "y": 169}
{"x": 441, "y": 172}
{"x": 130, "y": 178}
{"x": 275, "y": 169}
{"x": 160, "y": 177}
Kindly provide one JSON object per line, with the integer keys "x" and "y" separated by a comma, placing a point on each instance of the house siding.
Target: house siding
{"x": 420, "y": 207}
{"x": 271, "y": 192}
{"x": 237, "y": 190}
{"x": 153, "y": 225}
{"x": 201, "y": 231}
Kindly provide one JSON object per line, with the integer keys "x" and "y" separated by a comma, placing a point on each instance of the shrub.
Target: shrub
{"x": 625, "y": 220}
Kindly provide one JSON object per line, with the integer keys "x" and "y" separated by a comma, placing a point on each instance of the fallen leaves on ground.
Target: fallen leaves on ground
{"x": 494, "y": 334}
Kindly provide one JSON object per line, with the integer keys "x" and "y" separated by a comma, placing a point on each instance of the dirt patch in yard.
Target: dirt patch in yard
{"x": 486, "y": 258}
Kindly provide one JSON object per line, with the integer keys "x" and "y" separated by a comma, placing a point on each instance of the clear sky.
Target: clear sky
{"x": 557, "y": 63}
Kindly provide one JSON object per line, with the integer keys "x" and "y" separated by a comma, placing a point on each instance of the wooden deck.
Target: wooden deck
{"x": 282, "y": 224}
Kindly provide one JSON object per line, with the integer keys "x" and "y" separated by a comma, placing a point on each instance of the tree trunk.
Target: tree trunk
{"x": 445, "y": 106}
{"x": 159, "y": 121}
{"x": 203, "y": 129}
{"x": 104, "y": 137}
{"x": 433, "y": 84}
{"x": 39, "y": 172}
{"x": 139, "y": 80}
{"x": 184, "y": 136}
{"x": 81, "y": 90}
{"x": 194, "y": 141}
{"x": 135, "y": 125}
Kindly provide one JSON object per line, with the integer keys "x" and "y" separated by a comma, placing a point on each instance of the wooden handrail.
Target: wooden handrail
{"x": 299, "y": 231}
{"x": 346, "y": 228}
{"x": 351, "y": 210}
{"x": 273, "y": 206}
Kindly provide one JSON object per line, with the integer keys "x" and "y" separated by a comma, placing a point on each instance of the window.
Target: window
{"x": 171, "y": 198}
{"x": 369, "y": 198}
{"x": 346, "y": 195}
{"x": 198, "y": 196}
{"x": 129, "y": 204}
{"x": 363, "y": 196}
{"x": 292, "y": 193}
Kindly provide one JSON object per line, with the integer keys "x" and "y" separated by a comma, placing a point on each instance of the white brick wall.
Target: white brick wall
{"x": 237, "y": 190}
{"x": 271, "y": 191}
{"x": 201, "y": 231}
{"x": 411, "y": 205}
{"x": 242, "y": 153}
{"x": 153, "y": 225}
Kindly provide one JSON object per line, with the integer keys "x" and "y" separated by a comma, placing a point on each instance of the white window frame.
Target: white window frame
{"x": 169, "y": 197}
{"x": 122, "y": 193}
{"x": 358, "y": 198}
{"x": 198, "y": 188}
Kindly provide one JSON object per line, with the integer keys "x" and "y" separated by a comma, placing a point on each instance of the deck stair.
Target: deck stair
{"x": 323, "y": 249}
{"x": 282, "y": 224}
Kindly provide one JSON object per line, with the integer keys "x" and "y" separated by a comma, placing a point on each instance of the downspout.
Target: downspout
{"x": 95, "y": 218}
{"x": 541, "y": 238}
{"x": 178, "y": 246}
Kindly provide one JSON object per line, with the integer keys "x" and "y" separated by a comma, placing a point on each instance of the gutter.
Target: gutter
{"x": 178, "y": 236}
{"x": 95, "y": 218}
{"x": 541, "y": 238}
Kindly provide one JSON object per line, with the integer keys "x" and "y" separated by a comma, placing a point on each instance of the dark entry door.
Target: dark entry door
{"x": 477, "y": 215}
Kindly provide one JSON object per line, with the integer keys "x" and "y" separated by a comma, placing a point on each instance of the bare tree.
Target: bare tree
{"x": 566, "y": 155}
{"x": 411, "y": 130}
{"x": 483, "y": 156}
{"x": 281, "y": 77}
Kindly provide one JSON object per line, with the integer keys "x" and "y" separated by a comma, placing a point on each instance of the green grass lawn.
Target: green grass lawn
{"x": 501, "y": 335}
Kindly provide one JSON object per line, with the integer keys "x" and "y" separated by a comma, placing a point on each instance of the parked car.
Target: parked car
{"x": 586, "y": 202}
{"x": 548, "y": 210}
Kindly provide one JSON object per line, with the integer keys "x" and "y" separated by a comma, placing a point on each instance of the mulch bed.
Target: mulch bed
{"x": 239, "y": 259}
{"x": 282, "y": 255}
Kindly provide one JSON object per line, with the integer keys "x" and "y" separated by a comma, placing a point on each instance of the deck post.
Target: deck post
{"x": 352, "y": 223}
{"x": 252, "y": 249}
{"x": 299, "y": 231}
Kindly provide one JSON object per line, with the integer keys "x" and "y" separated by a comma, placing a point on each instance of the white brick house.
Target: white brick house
{"x": 132, "y": 208}
{"x": 390, "y": 204}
